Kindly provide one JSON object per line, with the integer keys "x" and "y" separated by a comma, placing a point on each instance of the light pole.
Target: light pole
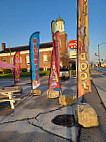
{"x": 95, "y": 58}
{"x": 99, "y": 54}
{"x": 99, "y": 57}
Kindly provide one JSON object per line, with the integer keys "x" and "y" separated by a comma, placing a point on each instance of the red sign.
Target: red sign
{"x": 17, "y": 63}
{"x": 58, "y": 50}
{"x": 72, "y": 44}
{"x": 54, "y": 75}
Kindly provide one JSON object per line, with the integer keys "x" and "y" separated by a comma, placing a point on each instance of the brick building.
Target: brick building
{"x": 45, "y": 51}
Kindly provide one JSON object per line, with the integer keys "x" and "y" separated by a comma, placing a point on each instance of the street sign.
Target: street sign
{"x": 72, "y": 44}
{"x": 73, "y": 54}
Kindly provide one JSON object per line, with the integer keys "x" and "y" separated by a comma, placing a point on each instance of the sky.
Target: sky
{"x": 21, "y": 18}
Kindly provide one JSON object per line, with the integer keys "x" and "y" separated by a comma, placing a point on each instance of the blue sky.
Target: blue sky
{"x": 20, "y": 18}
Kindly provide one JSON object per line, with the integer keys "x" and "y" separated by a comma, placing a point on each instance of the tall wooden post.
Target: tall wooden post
{"x": 99, "y": 57}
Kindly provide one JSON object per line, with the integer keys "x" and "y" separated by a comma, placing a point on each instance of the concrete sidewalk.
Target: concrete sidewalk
{"x": 99, "y": 80}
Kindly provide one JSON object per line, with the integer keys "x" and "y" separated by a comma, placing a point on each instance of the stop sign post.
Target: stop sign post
{"x": 72, "y": 44}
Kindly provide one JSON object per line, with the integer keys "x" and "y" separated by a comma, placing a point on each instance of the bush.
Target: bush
{"x": 1, "y": 72}
{"x": 23, "y": 70}
{"x": 44, "y": 73}
{"x": 25, "y": 74}
{"x": 6, "y": 71}
{"x": 10, "y": 75}
{"x": 48, "y": 69}
{"x": 41, "y": 69}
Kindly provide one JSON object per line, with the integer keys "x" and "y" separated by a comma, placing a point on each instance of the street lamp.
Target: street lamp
{"x": 99, "y": 55}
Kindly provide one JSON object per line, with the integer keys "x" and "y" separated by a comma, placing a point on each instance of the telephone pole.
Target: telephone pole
{"x": 99, "y": 57}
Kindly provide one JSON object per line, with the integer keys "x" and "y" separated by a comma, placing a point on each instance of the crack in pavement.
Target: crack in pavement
{"x": 31, "y": 123}
{"x": 48, "y": 131}
{"x": 32, "y": 117}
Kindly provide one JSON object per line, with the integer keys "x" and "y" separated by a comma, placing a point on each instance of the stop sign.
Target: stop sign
{"x": 72, "y": 44}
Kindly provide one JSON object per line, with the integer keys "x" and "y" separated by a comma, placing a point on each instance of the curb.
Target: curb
{"x": 99, "y": 95}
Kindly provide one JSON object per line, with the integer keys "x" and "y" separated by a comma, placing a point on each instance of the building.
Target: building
{"x": 73, "y": 59}
{"x": 45, "y": 51}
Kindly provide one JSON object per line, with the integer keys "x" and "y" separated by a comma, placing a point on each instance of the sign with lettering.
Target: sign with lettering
{"x": 17, "y": 63}
{"x": 54, "y": 75}
{"x": 58, "y": 50}
{"x": 73, "y": 54}
{"x": 72, "y": 44}
{"x": 34, "y": 59}
{"x": 84, "y": 84}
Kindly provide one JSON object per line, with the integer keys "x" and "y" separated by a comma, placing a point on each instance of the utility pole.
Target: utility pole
{"x": 99, "y": 57}
{"x": 76, "y": 63}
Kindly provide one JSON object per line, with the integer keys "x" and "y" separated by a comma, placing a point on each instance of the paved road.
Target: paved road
{"x": 101, "y": 69}
{"x": 99, "y": 80}
{"x": 97, "y": 99}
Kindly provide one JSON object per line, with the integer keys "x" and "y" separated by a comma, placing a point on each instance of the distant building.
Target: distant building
{"x": 103, "y": 64}
{"x": 45, "y": 51}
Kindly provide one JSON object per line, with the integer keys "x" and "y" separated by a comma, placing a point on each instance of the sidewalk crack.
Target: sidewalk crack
{"x": 24, "y": 119}
{"x": 48, "y": 131}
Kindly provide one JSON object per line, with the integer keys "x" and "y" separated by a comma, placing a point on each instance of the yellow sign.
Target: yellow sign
{"x": 73, "y": 54}
{"x": 84, "y": 84}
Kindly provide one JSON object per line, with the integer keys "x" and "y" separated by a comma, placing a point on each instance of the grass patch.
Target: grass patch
{"x": 28, "y": 74}
{"x": 24, "y": 74}
{"x": 9, "y": 75}
{"x": 44, "y": 73}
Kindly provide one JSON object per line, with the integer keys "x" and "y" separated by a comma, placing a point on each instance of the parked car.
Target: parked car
{"x": 64, "y": 73}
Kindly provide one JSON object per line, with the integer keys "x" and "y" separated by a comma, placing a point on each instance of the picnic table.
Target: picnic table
{"x": 7, "y": 95}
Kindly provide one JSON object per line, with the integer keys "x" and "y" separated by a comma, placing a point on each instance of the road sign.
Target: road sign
{"x": 73, "y": 54}
{"x": 72, "y": 44}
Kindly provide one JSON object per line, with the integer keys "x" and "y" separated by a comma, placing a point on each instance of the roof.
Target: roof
{"x": 23, "y": 48}
{"x": 59, "y": 19}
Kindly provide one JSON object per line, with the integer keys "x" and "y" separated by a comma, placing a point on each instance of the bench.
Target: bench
{"x": 7, "y": 95}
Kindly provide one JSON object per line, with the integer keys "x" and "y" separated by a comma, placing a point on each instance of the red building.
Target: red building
{"x": 45, "y": 51}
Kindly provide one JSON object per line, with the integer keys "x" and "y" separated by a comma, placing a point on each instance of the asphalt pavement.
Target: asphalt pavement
{"x": 31, "y": 121}
{"x": 32, "y": 118}
{"x": 99, "y": 79}
{"x": 96, "y": 100}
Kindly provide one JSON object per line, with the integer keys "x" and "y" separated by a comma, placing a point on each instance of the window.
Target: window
{"x": 20, "y": 60}
{"x": 45, "y": 58}
{"x": 27, "y": 60}
{"x": 4, "y": 59}
{"x": 12, "y": 60}
{"x": 45, "y": 68}
{"x": 61, "y": 27}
